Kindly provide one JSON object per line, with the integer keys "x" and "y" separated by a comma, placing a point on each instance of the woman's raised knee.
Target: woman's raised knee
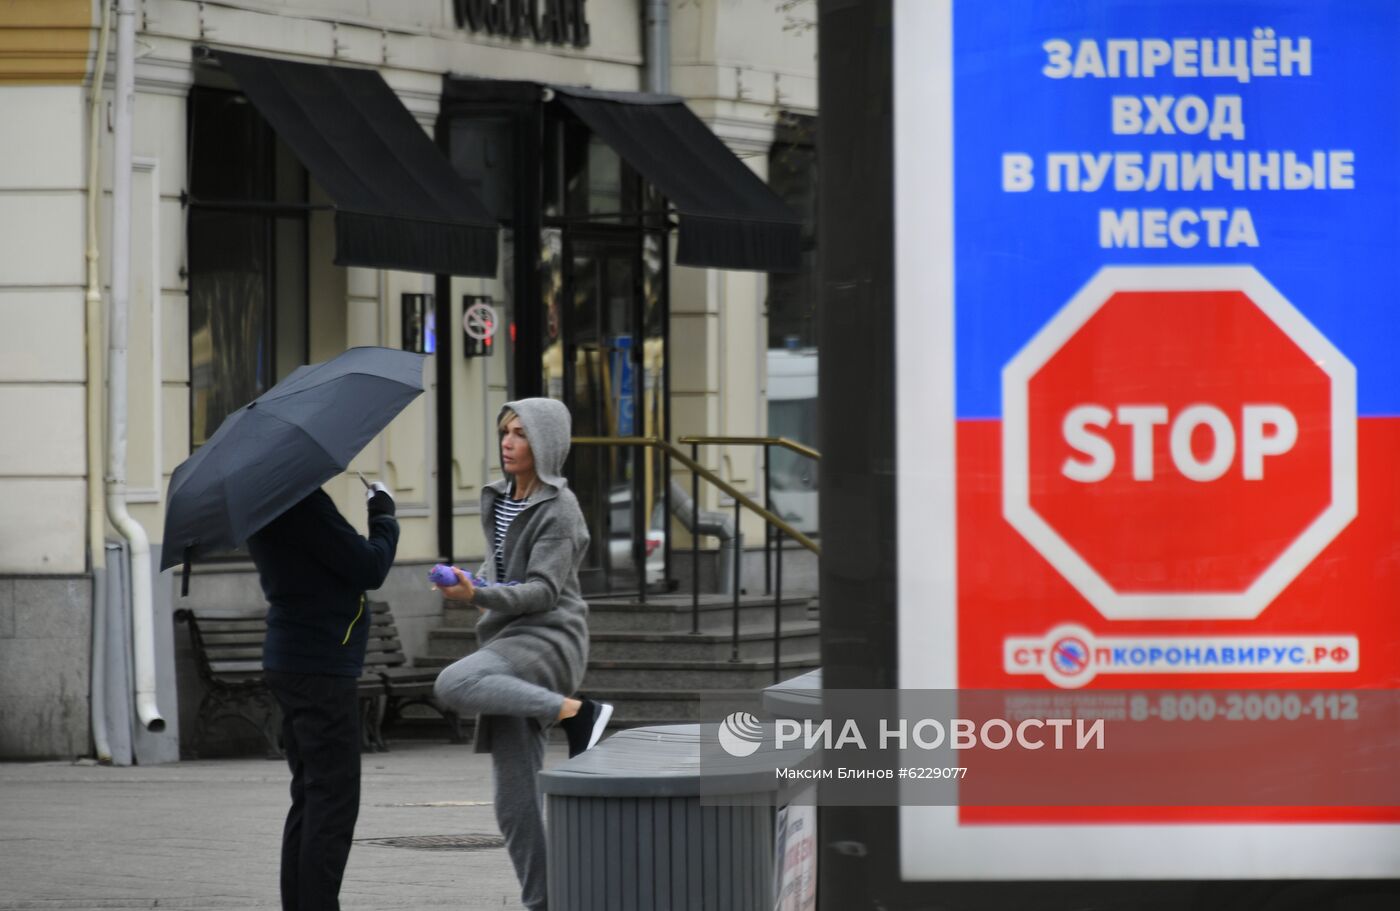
{"x": 453, "y": 684}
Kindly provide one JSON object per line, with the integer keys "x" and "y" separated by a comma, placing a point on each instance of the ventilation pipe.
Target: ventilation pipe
{"x": 138, "y": 545}
{"x": 656, "y": 74}
{"x": 705, "y": 522}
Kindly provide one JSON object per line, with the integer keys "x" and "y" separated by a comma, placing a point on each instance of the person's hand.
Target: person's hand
{"x": 462, "y": 591}
{"x": 381, "y": 502}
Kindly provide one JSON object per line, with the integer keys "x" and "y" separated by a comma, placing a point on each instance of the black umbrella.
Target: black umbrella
{"x": 272, "y": 452}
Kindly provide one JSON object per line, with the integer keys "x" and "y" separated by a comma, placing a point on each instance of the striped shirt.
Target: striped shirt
{"x": 506, "y": 511}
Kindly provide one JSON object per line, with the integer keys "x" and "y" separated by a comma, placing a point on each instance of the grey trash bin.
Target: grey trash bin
{"x": 628, "y": 831}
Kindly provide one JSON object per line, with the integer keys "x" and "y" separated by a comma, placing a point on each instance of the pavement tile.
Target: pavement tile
{"x": 204, "y": 835}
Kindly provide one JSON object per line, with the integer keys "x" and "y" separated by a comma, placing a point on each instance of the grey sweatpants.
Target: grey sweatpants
{"x": 522, "y": 702}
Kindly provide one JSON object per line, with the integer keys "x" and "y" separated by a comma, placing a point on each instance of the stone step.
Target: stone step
{"x": 745, "y": 674}
{"x": 802, "y": 637}
{"x": 441, "y": 661}
{"x": 450, "y": 643}
{"x": 668, "y": 613}
{"x": 801, "y": 568}
{"x": 459, "y": 617}
{"x": 427, "y": 725}
{"x": 631, "y": 708}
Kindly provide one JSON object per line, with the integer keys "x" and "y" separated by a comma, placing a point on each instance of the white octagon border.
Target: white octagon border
{"x": 1016, "y": 505}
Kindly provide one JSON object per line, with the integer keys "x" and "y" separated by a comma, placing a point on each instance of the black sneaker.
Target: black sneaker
{"x": 585, "y": 729}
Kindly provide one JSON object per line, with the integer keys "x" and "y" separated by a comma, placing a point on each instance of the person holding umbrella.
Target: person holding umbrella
{"x": 315, "y": 569}
{"x": 533, "y": 630}
{"x": 258, "y": 479}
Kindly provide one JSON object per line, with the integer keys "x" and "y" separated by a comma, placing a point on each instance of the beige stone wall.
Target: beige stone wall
{"x": 158, "y": 429}
{"x": 43, "y": 409}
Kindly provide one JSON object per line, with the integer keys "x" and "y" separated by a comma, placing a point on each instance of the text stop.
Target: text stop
{"x": 1265, "y": 430}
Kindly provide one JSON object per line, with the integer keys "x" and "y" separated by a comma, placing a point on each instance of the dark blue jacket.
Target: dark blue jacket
{"x": 315, "y": 570}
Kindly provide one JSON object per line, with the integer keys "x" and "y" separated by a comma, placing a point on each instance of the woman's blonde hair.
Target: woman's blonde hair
{"x": 507, "y": 415}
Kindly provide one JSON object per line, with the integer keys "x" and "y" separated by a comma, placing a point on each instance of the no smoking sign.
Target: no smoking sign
{"x": 479, "y": 321}
{"x": 1179, "y": 442}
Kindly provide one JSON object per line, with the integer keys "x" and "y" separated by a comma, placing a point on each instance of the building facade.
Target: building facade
{"x": 234, "y": 244}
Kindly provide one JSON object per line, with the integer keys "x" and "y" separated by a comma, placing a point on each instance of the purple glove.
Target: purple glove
{"x": 443, "y": 575}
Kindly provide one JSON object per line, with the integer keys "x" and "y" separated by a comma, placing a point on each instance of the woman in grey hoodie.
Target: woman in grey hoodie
{"x": 533, "y": 631}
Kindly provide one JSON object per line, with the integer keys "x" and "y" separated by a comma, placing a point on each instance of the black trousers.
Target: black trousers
{"x": 321, "y": 735}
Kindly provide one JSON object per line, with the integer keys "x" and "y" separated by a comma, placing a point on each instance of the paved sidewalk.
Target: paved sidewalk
{"x": 205, "y": 835}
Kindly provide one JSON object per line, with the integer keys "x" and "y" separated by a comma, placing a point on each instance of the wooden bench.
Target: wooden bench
{"x": 228, "y": 645}
{"x": 404, "y": 685}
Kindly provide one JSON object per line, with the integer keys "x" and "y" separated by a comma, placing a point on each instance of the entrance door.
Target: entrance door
{"x": 611, "y": 370}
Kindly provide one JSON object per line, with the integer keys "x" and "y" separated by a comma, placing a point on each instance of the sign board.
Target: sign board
{"x": 1147, "y": 390}
{"x": 480, "y": 324}
{"x": 795, "y": 856}
{"x": 479, "y": 321}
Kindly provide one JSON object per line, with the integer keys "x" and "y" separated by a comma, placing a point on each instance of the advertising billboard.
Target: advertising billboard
{"x": 1148, "y": 409}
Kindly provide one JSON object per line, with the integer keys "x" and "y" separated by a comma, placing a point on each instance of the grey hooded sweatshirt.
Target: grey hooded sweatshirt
{"x": 544, "y": 616}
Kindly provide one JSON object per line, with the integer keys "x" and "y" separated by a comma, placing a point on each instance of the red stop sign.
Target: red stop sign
{"x": 1179, "y": 442}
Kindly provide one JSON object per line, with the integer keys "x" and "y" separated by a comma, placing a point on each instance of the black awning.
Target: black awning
{"x": 398, "y": 203}
{"x": 729, "y": 218}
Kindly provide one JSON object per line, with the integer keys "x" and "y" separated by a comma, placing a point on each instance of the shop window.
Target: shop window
{"x": 793, "y": 323}
{"x": 551, "y": 328}
{"x": 792, "y": 173}
{"x": 483, "y": 154}
{"x": 247, "y": 258}
{"x": 585, "y": 178}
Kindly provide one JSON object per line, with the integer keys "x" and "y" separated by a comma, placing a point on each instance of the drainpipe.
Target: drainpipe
{"x": 96, "y": 520}
{"x": 139, "y": 547}
{"x": 656, "y": 73}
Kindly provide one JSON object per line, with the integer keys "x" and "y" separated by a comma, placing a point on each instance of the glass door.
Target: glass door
{"x": 600, "y": 387}
{"x": 614, "y": 381}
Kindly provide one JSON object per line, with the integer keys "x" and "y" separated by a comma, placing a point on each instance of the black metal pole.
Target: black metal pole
{"x": 641, "y": 455}
{"x": 639, "y": 524}
{"x": 694, "y": 541}
{"x": 603, "y": 498}
{"x": 442, "y": 389}
{"x": 767, "y": 529}
{"x": 665, "y": 392}
{"x": 666, "y": 523}
{"x": 738, "y": 567}
{"x": 778, "y": 609}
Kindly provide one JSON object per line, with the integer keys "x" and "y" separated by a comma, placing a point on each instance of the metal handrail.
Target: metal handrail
{"x": 767, "y": 443}
{"x": 784, "y": 442}
{"x": 771, "y": 520}
{"x": 666, "y": 447}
